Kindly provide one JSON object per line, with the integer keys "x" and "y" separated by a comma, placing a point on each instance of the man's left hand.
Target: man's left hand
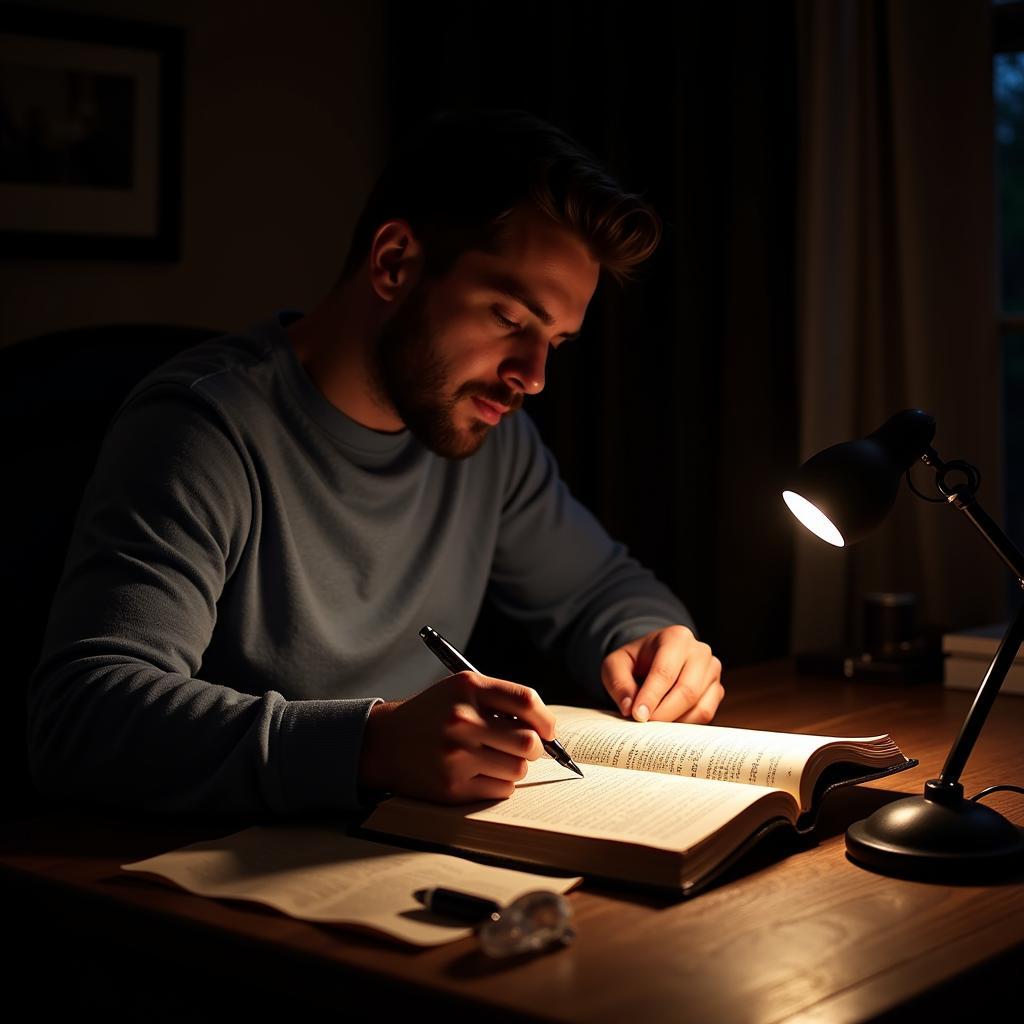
{"x": 665, "y": 676}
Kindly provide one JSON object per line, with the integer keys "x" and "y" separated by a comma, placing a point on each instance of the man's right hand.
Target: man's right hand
{"x": 446, "y": 745}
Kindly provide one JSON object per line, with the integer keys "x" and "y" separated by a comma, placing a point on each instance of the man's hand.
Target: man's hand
{"x": 447, "y": 745}
{"x": 680, "y": 676}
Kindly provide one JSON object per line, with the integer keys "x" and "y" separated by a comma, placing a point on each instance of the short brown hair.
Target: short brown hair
{"x": 458, "y": 175}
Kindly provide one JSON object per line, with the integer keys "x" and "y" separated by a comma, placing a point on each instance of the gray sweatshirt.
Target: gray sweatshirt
{"x": 249, "y": 571}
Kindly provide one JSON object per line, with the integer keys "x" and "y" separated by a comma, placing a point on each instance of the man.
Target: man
{"x": 281, "y": 509}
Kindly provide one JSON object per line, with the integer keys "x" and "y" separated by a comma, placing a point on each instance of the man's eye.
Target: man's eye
{"x": 504, "y": 321}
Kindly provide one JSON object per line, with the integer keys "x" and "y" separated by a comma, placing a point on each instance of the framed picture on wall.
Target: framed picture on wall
{"x": 90, "y": 136}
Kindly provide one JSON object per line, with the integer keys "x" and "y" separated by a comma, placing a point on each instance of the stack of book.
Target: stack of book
{"x": 968, "y": 654}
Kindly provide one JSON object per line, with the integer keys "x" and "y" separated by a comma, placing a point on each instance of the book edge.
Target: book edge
{"x": 806, "y": 822}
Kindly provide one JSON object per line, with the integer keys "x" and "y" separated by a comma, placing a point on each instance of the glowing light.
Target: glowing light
{"x": 813, "y": 518}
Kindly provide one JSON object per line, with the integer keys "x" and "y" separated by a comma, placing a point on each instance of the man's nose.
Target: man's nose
{"x": 524, "y": 370}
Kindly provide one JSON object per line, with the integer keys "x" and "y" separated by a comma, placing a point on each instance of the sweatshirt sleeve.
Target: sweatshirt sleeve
{"x": 116, "y": 711}
{"x": 557, "y": 571}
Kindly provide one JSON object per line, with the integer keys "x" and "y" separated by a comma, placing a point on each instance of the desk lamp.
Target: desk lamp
{"x": 841, "y": 494}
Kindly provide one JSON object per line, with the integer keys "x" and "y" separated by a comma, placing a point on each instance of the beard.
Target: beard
{"x": 412, "y": 375}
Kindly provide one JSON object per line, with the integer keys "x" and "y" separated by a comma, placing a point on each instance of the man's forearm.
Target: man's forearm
{"x": 127, "y": 734}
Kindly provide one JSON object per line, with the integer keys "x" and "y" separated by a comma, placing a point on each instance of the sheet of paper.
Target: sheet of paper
{"x": 318, "y": 873}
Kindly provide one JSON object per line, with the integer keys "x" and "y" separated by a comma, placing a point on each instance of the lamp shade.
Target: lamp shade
{"x": 845, "y": 491}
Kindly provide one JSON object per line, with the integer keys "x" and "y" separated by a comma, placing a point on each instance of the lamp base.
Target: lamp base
{"x": 937, "y": 837}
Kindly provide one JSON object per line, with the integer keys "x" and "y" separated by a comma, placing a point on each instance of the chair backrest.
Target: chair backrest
{"x": 58, "y": 393}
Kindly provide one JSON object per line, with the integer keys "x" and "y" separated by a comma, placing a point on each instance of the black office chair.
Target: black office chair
{"x": 58, "y": 393}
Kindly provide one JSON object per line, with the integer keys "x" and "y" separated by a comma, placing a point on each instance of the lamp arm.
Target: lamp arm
{"x": 949, "y": 778}
{"x": 989, "y": 529}
{"x": 963, "y": 498}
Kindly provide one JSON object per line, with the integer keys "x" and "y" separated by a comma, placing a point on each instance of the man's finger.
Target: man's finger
{"x": 490, "y": 694}
{"x": 617, "y": 679}
{"x": 483, "y": 787}
{"x": 671, "y": 656}
{"x": 697, "y": 675}
{"x": 498, "y": 765}
{"x": 706, "y": 707}
{"x": 506, "y": 734}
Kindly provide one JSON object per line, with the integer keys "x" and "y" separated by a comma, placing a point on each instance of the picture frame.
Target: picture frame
{"x": 90, "y": 136}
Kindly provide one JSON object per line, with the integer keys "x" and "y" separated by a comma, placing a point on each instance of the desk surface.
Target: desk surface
{"x": 790, "y": 935}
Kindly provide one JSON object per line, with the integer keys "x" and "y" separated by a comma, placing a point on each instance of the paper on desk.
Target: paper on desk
{"x": 318, "y": 873}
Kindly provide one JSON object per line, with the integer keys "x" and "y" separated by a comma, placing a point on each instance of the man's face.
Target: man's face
{"x": 463, "y": 337}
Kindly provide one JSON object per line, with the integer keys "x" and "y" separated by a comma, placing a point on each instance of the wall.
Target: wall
{"x": 285, "y": 129}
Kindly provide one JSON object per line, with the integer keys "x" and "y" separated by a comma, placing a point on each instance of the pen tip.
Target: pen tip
{"x": 576, "y": 770}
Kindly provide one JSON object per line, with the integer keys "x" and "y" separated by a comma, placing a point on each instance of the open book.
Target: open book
{"x": 664, "y": 804}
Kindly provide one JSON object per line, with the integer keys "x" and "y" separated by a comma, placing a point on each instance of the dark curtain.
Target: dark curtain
{"x": 896, "y": 293}
{"x": 673, "y": 417}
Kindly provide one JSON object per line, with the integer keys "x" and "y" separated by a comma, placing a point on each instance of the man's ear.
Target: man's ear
{"x": 396, "y": 260}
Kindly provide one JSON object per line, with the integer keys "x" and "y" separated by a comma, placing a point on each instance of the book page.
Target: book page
{"x": 716, "y": 753}
{"x": 321, "y": 874}
{"x": 661, "y": 811}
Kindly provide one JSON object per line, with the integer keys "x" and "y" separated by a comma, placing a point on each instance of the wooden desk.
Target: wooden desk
{"x": 791, "y": 936}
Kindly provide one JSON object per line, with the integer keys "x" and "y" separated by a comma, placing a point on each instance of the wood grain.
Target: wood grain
{"x": 792, "y": 934}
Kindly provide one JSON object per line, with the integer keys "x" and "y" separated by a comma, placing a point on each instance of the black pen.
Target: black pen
{"x": 463, "y": 905}
{"x": 455, "y": 662}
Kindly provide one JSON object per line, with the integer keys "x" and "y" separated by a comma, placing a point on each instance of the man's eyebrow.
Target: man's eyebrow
{"x": 515, "y": 289}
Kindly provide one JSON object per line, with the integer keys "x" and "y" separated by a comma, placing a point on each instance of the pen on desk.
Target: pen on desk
{"x": 462, "y": 905}
{"x": 455, "y": 662}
